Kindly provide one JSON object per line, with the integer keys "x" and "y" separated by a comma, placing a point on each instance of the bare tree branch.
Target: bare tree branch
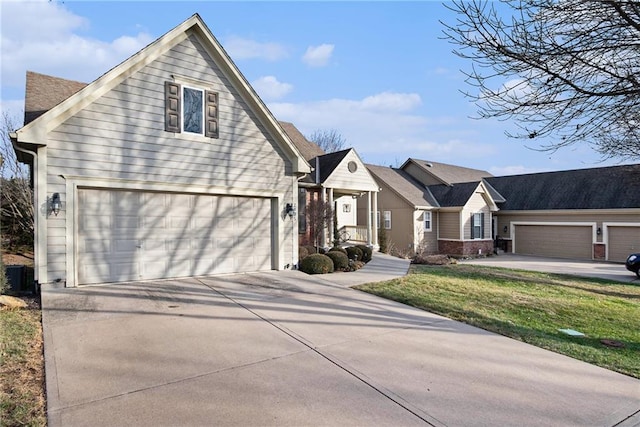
{"x": 566, "y": 70}
{"x": 329, "y": 140}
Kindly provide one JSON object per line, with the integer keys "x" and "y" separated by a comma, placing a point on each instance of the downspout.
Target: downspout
{"x": 14, "y": 142}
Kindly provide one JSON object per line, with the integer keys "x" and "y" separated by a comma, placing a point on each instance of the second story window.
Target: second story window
{"x": 191, "y": 110}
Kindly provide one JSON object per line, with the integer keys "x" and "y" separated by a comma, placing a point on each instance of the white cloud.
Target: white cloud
{"x": 241, "y": 48}
{"x": 383, "y": 132}
{"x": 514, "y": 170}
{"x": 269, "y": 88}
{"x": 45, "y": 37}
{"x": 389, "y": 101}
{"x": 318, "y": 56}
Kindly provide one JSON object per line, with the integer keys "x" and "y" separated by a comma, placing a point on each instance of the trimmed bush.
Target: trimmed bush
{"x": 338, "y": 249}
{"x": 367, "y": 252}
{"x": 302, "y": 253}
{"x": 317, "y": 264}
{"x": 354, "y": 253}
{"x": 340, "y": 260}
{"x": 310, "y": 249}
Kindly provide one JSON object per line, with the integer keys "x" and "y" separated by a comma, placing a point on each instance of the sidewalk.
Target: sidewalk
{"x": 381, "y": 267}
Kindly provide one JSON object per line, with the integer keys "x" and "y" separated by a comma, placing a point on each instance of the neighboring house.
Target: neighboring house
{"x": 581, "y": 214}
{"x": 440, "y": 217}
{"x": 434, "y": 173}
{"x": 168, "y": 165}
{"x": 338, "y": 179}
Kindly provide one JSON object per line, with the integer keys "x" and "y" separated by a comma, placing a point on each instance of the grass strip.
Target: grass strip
{"x": 531, "y": 307}
{"x": 22, "y": 400}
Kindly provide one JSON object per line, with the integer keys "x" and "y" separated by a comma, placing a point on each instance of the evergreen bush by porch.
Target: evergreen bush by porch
{"x": 354, "y": 253}
{"x": 367, "y": 252}
{"x": 317, "y": 264}
{"x": 338, "y": 249}
{"x": 340, "y": 260}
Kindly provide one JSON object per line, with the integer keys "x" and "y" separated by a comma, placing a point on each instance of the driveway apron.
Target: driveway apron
{"x": 285, "y": 348}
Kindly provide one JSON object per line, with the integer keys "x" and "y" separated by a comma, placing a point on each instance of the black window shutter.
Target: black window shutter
{"x": 211, "y": 114}
{"x": 482, "y": 225}
{"x": 472, "y": 227}
{"x": 172, "y": 107}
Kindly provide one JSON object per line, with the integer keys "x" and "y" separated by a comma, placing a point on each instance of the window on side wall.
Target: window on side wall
{"x": 477, "y": 225}
{"x": 387, "y": 220}
{"x": 378, "y": 219}
{"x": 191, "y": 110}
{"x": 427, "y": 220}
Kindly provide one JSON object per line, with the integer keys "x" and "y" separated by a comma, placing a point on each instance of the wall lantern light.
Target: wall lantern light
{"x": 505, "y": 228}
{"x": 55, "y": 203}
{"x": 290, "y": 209}
{"x": 599, "y": 231}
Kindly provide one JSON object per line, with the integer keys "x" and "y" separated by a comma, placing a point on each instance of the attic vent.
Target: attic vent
{"x": 429, "y": 165}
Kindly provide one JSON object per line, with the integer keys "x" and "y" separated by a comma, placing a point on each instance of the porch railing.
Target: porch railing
{"x": 353, "y": 233}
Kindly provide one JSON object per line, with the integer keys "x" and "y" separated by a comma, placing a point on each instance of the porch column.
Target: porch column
{"x": 323, "y": 240}
{"x": 334, "y": 213}
{"x": 374, "y": 220}
{"x": 369, "y": 230}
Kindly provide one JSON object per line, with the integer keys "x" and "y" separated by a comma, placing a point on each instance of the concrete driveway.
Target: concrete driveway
{"x": 598, "y": 269}
{"x": 287, "y": 349}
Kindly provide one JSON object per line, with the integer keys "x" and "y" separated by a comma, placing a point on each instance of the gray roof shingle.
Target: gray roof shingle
{"x": 450, "y": 174}
{"x": 454, "y": 195}
{"x": 403, "y": 184}
{"x": 308, "y": 149}
{"x": 614, "y": 187}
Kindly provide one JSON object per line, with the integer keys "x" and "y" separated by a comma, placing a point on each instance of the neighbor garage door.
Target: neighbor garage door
{"x": 556, "y": 241}
{"x": 127, "y": 235}
{"x": 623, "y": 241}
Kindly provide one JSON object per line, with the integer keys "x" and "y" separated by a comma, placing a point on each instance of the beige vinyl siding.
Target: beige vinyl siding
{"x": 476, "y": 204}
{"x": 121, "y": 136}
{"x": 623, "y": 241}
{"x": 449, "y": 225}
{"x": 342, "y": 178}
{"x": 422, "y": 176}
{"x": 427, "y": 240}
{"x": 558, "y": 241}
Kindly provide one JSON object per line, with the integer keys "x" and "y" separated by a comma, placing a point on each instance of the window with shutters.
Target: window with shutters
{"x": 191, "y": 110}
{"x": 427, "y": 220}
{"x": 477, "y": 225}
{"x": 387, "y": 220}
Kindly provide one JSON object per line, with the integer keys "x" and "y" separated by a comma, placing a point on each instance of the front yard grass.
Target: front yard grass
{"x": 531, "y": 307}
{"x": 22, "y": 400}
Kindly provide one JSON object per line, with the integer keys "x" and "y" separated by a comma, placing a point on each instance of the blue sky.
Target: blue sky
{"x": 377, "y": 72}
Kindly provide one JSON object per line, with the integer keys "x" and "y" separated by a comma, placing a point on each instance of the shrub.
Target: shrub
{"x": 310, "y": 249}
{"x": 354, "y": 253}
{"x": 338, "y": 249}
{"x": 340, "y": 260}
{"x": 317, "y": 264}
{"x": 302, "y": 253}
{"x": 367, "y": 252}
{"x": 382, "y": 240}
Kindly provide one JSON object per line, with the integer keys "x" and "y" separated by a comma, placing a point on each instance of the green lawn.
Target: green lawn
{"x": 531, "y": 307}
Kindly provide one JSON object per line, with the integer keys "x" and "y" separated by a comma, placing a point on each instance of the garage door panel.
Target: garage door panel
{"x": 138, "y": 236}
{"x": 574, "y": 242}
{"x": 623, "y": 241}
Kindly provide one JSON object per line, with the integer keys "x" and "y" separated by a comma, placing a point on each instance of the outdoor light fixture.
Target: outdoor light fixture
{"x": 55, "y": 204}
{"x": 505, "y": 229}
{"x": 599, "y": 231}
{"x": 290, "y": 209}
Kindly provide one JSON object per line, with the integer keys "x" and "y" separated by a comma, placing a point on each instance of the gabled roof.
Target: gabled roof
{"x": 44, "y": 92}
{"x": 454, "y": 195}
{"x": 329, "y": 162}
{"x": 308, "y": 149}
{"x": 35, "y": 131}
{"x": 416, "y": 194}
{"x": 614, "y": 187}
{"x": 448, "y": 174}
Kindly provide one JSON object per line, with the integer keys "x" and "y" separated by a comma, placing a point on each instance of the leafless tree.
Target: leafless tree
{"x": 319, "y": 215}
{"x": 16, "y": 196}
{"x": 329, "y": 140}
{"x": 567, "y": 70}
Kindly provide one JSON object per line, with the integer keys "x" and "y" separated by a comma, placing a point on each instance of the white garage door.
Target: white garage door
{"x": 557, "y": 241}
{"x": 128, "y": 235}
{"x": 623, "y": 241}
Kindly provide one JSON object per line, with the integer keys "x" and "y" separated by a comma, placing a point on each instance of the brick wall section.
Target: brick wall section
{"x": 599, "y": 251}
{"x": 470, "y": 247}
